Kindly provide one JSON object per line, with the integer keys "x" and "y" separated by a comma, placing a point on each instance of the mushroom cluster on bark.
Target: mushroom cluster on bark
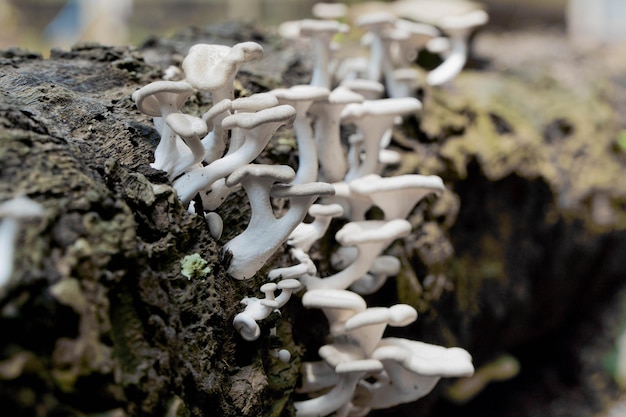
{"x": 338, "y": 177}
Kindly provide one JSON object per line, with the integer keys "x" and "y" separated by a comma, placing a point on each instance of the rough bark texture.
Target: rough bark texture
{"x": 526, "y": 246}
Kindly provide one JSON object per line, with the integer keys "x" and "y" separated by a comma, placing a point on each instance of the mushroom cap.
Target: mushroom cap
{"x": 464, "y": 22}
{"x": 376, "y": 21}
{"x": 302, "y": 190}
{"x": 20, "y": 207}
{"x": 360, "y": 366}
{"x": 283, "y": 113}
{"x": 245, "y": 52}
{"x": 329, "y": 10}
{"x": 186, "y": 126}
{"x": 406, "y": 74}
{"x": 366, "y": 88}
{"x": 326, "y": 210}
{"x": 209, "y": 67}
{"x": 337, "y": 353}
{"x": 282, "y": 173}
{"x": 373, "y": 183}
{"x": 247, "y": 327}
{"x": 313, "y": 27}
{"x": 270, "y": 286}
{"x": 354, "y": 233}
{"x": 333, "y": 299}
{"x": 399, "y": 315}
{"x": 344, "y": 95}
{"x": 289, "y": 284}
{"x": 149, "y": 98}
{"x": 217, "y": 109}
{"x": 381, "y": 107}
{"x": 389, "y": 157}
{"x": 301, "y": 93}
{"x": 216, "y": 224}
{"x": 255, "y": 102}
{"x": 433, "y": 11}
{"x": 425, "y": 359}
{"x": 386, "y": 265}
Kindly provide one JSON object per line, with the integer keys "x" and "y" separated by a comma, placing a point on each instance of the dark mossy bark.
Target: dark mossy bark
{"x": 99, "y": 320}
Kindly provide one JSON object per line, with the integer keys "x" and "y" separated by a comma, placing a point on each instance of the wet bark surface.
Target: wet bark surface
{"x": 522, "y": 256}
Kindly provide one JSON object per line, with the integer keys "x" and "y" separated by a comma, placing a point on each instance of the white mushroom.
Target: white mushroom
{"x": 214, "y": 143}
{"x": 260, "y": 126}
{"x": 370, "y": 237}
{"x": 329, "y": 10}
{"x": 159, "y": 99}
{"x": 306, "y": 234}
{"x": 190, "y": 129}
{"x": 373, "y": 118}
{"x": 301, "y": 97}
{"x": 384, "y": 266}
{"x": 12, "y": 212}
{"x": 366, "y": 328}
{"x": 246, "y": 322}
{"x": 397, "y": 196}
{"x": 349, "y": 374}
{"x": 265, "y": 233}
{"x": 375, "y": 23}
{"x": 459, "y": 29}
{"x": 251, "y": 104}
{"x": 217, "y": 194}
{"x": 305, "y": 267}
{"x": 369, "y": 89}
{"x": 213, "y": 68}
{"x": 337, "y": 305}
{"x": 321, "y": 33}
{"x": 327, "y": 127}
{"x": 414, "y": 368}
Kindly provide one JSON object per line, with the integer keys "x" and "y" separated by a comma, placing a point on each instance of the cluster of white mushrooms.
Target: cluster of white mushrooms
{"x": 337, "y": 177}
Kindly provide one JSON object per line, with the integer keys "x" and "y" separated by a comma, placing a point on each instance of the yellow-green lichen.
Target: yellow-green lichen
{"x": 193, "y": 267}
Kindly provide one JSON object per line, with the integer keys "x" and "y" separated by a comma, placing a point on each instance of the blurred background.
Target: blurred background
{"x": 38, "y": 25}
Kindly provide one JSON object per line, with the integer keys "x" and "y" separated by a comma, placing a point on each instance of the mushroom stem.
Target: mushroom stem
{"x": 257, "y": 137}
{"x": 452, "y": 65}
{"x": 333, "y": 400}
{"x": 349, "y": 374}
{"x": 265, "y": 233}
{"x": 370, "y": 237}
